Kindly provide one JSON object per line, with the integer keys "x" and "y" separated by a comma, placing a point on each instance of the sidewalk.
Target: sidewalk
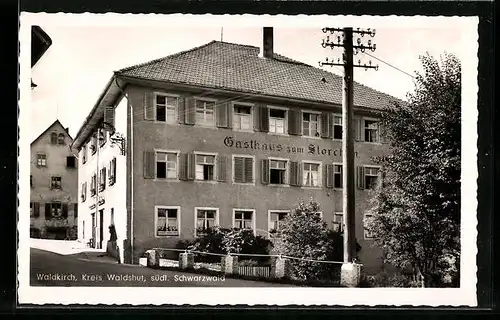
{"x": 63, "y": 247}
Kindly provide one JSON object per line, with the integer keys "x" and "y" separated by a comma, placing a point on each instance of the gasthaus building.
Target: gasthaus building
{"x": 220, "y": 135}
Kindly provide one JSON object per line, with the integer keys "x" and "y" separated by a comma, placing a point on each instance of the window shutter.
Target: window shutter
{"x": 103, "y": 173}
{"x": 85, "y": 191}
{"x": 221, "y": 110}
{"x": 256, "y": 117}
{"x": 230, "y": 111}
{"x": 294, "y": 174}
{"x": 36, "y": 209}
{"x": 329, "y": 175}
{"x": 191, "y": 162}
{"x": 382, "y": 132}
{"x": 248, "y": 170}
{"x": 149, "y": 164}
{"x": 361, "y": 177}
{"x": 326, "y": 125}
{"x": 221, "y": 168}
{"x": 181, "y": 110}
{"x": 264, "y": 118}
{"x": 358, "y": 129}
{"x": 190, "y": 110}
{"x": 294, "y": 122}
{"x": 48, "y": 214}
{"x": 239, "y": 169}
{"x": 183, "y": 166}
{"x": 114, "y": 169}
{"x": 149, "y": 105}
{"x": 65, "y": 210}
{"x": 264, "y": 174}
{"x": 109, "y": 116}
{"x": 75, "y": 210}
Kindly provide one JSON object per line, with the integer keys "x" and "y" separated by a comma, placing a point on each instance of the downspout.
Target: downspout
{"x": 131, "y": 150}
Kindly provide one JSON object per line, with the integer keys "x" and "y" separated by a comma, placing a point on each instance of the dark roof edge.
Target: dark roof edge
{"x": 94, "y": 109}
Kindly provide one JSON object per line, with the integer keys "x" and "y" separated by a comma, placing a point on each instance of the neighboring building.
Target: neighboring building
{"x": 220, "y": 135}
{"x": 54, "y": 185}
{"x": 40, "y": 43}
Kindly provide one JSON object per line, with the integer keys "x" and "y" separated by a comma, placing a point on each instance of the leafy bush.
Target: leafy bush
{"x": 397, "y": 280}
{"x": 209, "y": 240}
{"x": 244, "y": 241}
{"x": 305, "y": 235}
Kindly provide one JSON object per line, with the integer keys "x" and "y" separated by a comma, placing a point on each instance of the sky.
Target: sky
{"x": 75, "y": 69}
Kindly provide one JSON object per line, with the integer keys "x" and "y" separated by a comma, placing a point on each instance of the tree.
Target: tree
{"x": 416, "y": 208}
{"x": 304, "y": 234}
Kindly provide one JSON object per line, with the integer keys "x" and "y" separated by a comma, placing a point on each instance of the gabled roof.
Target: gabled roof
{"x": 236, "y": 67}
{"x": 55, "y": 123}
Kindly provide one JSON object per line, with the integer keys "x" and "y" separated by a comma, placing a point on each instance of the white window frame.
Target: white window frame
{"x": 210, "y": 100}
{"x": 366, "y": 233}
{"x": 216, "y": 219}
{"x": 254, "y": 228}
{"x": 371, "y": 175}
{"x": 252, "y": 110}
{"x": 320, "y": 173}
{"x": 285, "y": 120}
{"x": 176, "y": 111}
{"x": 338, "y": 115}
{"x": 364, "y": 129}
{"x": 233, "y": 167}
{"x": 341, "y": 174}
{"x": 302, "y": 123}
{"x": 342, "y": 224}
{"x": 177, "y": 153}
{"x": 287, "y": 173}
{"x": 201, "y": 153}
{"x": 155, "y": 217}
{"x": 37, "y": 162}
{"x": 269, "y": 222}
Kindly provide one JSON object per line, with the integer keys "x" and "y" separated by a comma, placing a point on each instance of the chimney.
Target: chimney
{"x": 67, "y": 130}
{"x": 268, "y": 50}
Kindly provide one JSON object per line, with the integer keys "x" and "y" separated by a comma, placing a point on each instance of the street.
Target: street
{"x": 52, "y": 269}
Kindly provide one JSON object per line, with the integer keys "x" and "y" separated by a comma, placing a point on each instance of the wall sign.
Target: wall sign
{"x": 311, "y": 149}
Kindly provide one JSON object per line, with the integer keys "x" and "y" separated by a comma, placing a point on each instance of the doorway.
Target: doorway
{"x": 93, "y": 244}
{"x": 101, "y": 229}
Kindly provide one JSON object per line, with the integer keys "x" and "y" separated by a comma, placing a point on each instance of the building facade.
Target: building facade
{"x": 220, "y": 135}
{"x": 54, "y": 185}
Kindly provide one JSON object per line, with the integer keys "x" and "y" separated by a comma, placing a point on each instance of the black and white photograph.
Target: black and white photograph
{"x": 246, "y": 159}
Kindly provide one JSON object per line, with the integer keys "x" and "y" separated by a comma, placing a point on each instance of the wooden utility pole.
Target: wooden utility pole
{"x": 348, "y": 176}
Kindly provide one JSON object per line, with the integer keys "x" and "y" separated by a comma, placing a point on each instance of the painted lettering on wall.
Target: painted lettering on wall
{"x": 311, "y": 149}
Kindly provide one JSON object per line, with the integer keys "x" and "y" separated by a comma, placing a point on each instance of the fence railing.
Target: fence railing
{"x": 254, "y": 271}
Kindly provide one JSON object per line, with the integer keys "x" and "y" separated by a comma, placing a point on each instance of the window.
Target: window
{"x": 53, "y": 138}
{"x": 310, "y": 124}
{"x": 338, "y": 221}
{"x": 277, "y": 121}
{"x": 371, "y": 131}
{"x": 166, "y": 165}
{"x": 84, "y": 154}
{"x": 167, "y": 221}
{"x": 243, "y": 219}
{"x": 371, "y": 177}
{"x": 366, "y": 220}
{"x": 34, "y": 209}
{"x": 205, "y": 218}
{"x": 337, "y": 176}
{"x": 31, "y": 208}
{"x": 243, "y": 169}
{"x": 93, "y": 144}
{"x": 166, "y": 107}
{"x": 55, "y": 210}
{"x": 75, "y": 210}
{"x": 103, "y": 137}
{"x": 83, "y": 194}
{"x": 337, "y": 127}
{"x": 205, "y": 113}
{"x": 60, "y": 138}
{"x": 277, "y": 171}
{"x": 112, "y": 172}
{"x": 242, "y": 117}
{"x": 102, "y": 179}
{"x": 276, "y": 218}
{"x": 311, "y": 174}
{"x": 71, "y": 162}
{"x": 205, "y": 167}
{"x": 31, "y": 180}
{"x": 41, "y": 160}
{"x": 93, "y": 184}
{"x": 55, "y": 182}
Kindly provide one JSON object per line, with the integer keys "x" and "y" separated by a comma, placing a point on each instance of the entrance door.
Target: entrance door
{"x": 101, "y": 229}
{"x": 94, "y": 243}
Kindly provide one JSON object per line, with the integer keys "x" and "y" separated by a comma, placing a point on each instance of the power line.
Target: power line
{"x": 390, "y": 65}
